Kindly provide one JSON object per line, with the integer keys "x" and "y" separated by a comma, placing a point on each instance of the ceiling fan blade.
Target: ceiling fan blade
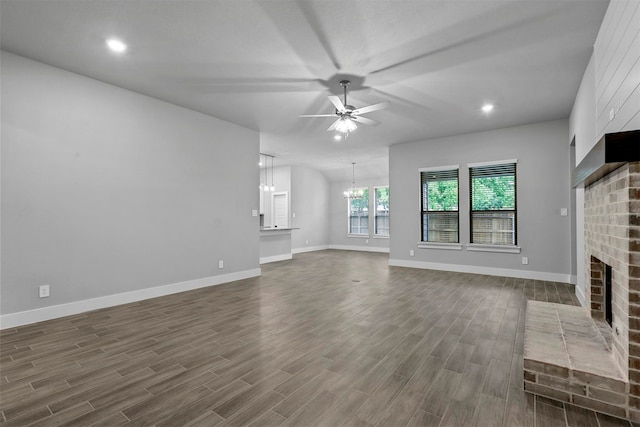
{"x": 317, "y": 115}
{"x": 365, "y": 120}
{"x": 338, "y": 104}
{"x": 370, "y": 108}
{"x": 333, "y": 126}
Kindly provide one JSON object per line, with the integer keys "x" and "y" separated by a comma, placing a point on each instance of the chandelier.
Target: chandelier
{"x": 353, "y": 192}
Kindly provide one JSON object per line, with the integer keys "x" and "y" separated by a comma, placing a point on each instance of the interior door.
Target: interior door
{"x": 280, "y": 208}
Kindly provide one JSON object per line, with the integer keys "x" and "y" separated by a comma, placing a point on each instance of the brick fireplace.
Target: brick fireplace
{"x": 591, "y": 358}
{"x": 611, "y": 222}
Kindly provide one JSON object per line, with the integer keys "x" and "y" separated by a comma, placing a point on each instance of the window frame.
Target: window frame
{"x": 494, "y": 247}
{"x": 368, "y": 215}
{"x": 375, "y": 213}
{"x": 431, "y": 243}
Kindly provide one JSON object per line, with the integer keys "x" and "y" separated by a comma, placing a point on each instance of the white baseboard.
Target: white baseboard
{"x": 581, "y": 296}
{"x": 309, "y": 249}
{"x": 359, "y": 248}
{"x": 274, "y": 258}
{"x": 53, "y": 312}
{"x": 491, "y": 271}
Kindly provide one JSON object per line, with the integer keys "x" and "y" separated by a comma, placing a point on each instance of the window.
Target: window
{"x": 359, "y": 214}
{"x": 493, "y": 203}
{"x": 381, "y": 211}
{"x": 439, "y": 212}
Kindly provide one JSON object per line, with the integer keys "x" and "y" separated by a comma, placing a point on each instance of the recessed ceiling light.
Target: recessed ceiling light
{"x": 337, "y": 137}
{"x": 116, "y": 45}
{"x": 487, "y": 108}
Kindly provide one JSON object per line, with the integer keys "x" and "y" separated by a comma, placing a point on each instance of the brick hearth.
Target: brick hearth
{"x": 567, "y": 358}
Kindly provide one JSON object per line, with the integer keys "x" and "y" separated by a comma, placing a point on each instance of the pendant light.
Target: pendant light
{"x": 273, "y": 187}
{"x": 266, "y": 178}
{"x": 261, "y": 164}
{"x": 265, "y": 186}
{"x": 353, "y": 193}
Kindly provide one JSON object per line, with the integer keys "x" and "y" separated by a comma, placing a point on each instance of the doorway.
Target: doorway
{"x": 280, "y": 209}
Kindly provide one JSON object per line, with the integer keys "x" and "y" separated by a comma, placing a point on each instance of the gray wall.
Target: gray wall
{"x": 338, "y": 211}
{"x": 310, "y": 204}
{"x": 542, "y": 151}
{"x": 107, "y": 191}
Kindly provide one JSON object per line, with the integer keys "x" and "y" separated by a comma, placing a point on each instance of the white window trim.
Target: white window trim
{"x": 436, "y": 245}
{"x": 366, "y": 236}
{"x": 358, "y": 236}
{"x": 498, "y": 162}
{"x": 506, "y": 249}
{"x": 478, "y": 247}
{"x": 439, "y": 168}
{"x": 378, "y": 236}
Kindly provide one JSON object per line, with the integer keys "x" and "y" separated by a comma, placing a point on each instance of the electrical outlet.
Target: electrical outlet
{"x": 525, "y": 260}
{"x": 306, "y": 242}
{"x": 254, "y": 212}
{"x": 221, "y": 264}
{"x": 366, "y": 241}
{"x": 411, "y": 252}
{"x": 44, "y": 291}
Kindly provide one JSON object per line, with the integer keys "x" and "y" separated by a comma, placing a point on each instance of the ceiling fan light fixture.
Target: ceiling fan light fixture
{"x": 346, "y": 125}
{"x": 347, "y": 115}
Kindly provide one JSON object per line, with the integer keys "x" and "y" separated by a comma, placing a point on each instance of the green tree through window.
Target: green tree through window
{"x": 494, "y": 193}
{"x": 443, "y": 195}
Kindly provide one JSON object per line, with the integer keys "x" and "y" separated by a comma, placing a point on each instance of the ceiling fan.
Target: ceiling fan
{"x": 348, "y": 115}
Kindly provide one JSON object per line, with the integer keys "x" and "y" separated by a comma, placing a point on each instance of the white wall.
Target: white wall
{"x": 543, "y": 184}
{"x": 338, "y": 217}
{"x": 582, "y": 122}
{"x": 105, "y": 191}
{"x": 611, "y": 81}
{"x": 582, "y": 130}
{"x": 310, "y": 204}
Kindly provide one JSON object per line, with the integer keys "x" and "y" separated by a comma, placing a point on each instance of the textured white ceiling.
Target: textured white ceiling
{"x": 260, "y": 64}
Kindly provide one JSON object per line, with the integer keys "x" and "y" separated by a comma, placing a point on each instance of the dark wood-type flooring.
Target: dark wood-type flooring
{"x": 330, "y": 338}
